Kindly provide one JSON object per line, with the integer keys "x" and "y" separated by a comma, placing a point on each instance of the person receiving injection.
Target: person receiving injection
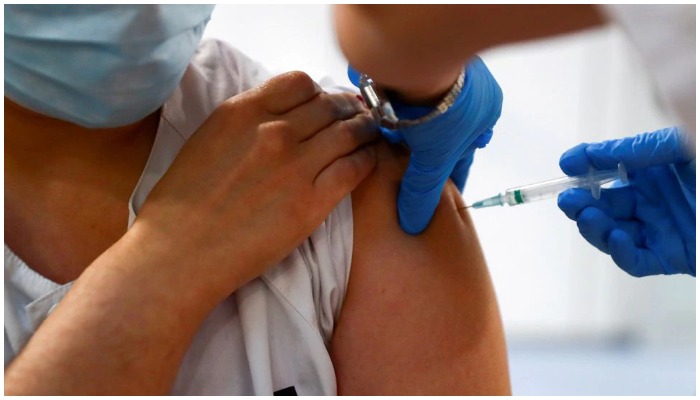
{"x": 647, "y": 226}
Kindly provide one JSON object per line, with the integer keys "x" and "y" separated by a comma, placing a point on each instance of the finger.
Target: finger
{"x": 648, "y": 149}
{"x": 461, "y": 171}
{"x": 287, "y": 91}
{"x": 633, "y": 260}
{"x": 595, "y": 226}
{"x": 618, "y": 203}
{"x": 391, "y": 135}
{"x": 575, "y": 161}
{"x": 420, "y": 192}
{"x": 344, "y": 174}
{"x": 339, "y": 139}
{"x": 482, "y": 140}
{"x": 353, "y": 75}
{"x": 323, "y": 110}
{"x": 634, "y": 229}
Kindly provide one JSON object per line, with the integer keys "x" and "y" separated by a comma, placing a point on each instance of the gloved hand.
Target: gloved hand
{"x": 648, "y": 225}
{"x": 444, "y": 146}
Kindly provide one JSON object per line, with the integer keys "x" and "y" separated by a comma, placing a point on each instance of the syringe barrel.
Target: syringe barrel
{"x": 551, "y": 188}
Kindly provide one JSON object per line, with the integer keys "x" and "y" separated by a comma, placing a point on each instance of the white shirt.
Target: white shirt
{"x": 270, "y": 335}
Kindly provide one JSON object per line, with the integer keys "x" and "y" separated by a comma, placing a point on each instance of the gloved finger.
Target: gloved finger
{"x": 634, "y": 229}
{"x": 353, "y": 75}
{"x": 633, "y": 260}
{"x": 686, "y": 174}
{"x": 575, "y": 161}
{"x": 419, "y": 195}
{"x": 665, "y": 146}
{"x": 482, "y": 140}
{"x": 461, "y": 171}
{"x": 391, "y": 135}
{"x": 595, "y": 226}
{"x": 618, "y": 203}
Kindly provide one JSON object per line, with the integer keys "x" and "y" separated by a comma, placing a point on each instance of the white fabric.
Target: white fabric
{"x": 665, "y": 38}
{"x": 269, "y": 335}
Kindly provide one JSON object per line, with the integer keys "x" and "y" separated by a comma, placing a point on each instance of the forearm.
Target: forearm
{"x": 122, "y": 329}
{"x": 397, "y": 44}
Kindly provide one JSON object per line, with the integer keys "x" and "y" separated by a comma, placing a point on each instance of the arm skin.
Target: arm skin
{"x": 420, "y": 316}
{"x": 396, "y": 44}
{"x": 126, "y": 324}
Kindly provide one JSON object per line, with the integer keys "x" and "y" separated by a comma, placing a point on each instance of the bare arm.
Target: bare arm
{"x": 397, "y": 44}
{"x": 122, "y": 329}
{"x": 420, "y": 315}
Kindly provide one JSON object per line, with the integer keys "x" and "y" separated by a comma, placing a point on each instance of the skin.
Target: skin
{"x": 420, "y": 316}
{"x": 397, "y": 44}
{"x": 140, "y": 295}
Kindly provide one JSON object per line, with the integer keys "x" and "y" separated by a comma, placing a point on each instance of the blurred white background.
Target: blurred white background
{"x": 575, "y": 323}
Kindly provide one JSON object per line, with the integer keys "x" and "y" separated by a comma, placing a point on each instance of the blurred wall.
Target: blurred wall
{"x": 552, "y": 286}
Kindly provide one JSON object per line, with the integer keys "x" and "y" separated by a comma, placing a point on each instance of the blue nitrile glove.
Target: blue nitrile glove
{"x": 443, "y": 147}
{"x": 648, "y": 225}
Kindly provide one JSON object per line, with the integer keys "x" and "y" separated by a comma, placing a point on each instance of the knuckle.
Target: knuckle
{"x": 300, "y": 81}
{"x": 226, "y": 108}
{"x": 240, "y": 107}
{"x": 274, "y": 137}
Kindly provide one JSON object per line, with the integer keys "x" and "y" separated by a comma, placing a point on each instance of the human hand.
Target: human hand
{"x": 443, "y": 147}
{"x": 647, "y": 226}
{"x": 262, "y": 172}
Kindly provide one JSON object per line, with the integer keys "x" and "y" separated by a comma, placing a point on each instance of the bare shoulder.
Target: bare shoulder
{"x": 420, "y": 315}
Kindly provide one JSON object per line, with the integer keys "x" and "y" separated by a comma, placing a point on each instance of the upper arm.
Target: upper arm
{"x": 420, "y": 315}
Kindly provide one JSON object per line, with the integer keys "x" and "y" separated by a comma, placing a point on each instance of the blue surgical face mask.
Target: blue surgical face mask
{"x": 98, "y": 66}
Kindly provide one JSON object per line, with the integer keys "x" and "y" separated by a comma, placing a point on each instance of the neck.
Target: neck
{"x": 42, "y": 135}
{"x": 34, "y": 140}
{"x": 67, "y": 188}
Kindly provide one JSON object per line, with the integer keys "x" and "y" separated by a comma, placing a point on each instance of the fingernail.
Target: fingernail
{"x": 362, "y": 100}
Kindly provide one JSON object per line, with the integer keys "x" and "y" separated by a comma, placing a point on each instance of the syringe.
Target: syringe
{"x": 542, "y": 190}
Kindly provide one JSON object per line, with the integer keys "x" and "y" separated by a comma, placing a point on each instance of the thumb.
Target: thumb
{"x": 353, "y": 75}
{"x": 419, "y": 195}
{"x": 461, "y": 171}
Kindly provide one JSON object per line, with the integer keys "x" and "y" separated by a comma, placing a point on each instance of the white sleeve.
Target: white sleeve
{"x": 664, "y": 35}
{"x": 328, "y": 256}
{"x": 9, "y": 354}
{"x": 226, "y": 69}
